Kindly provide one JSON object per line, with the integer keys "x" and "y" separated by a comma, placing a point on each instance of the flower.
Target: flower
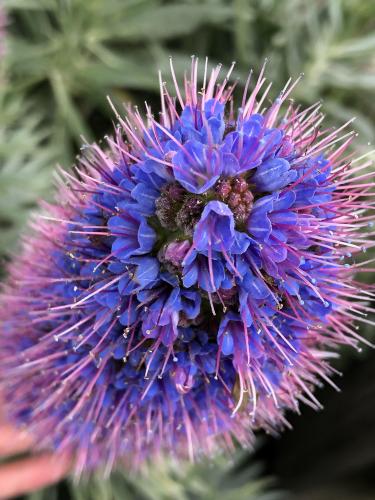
{"x": 190, "y": 283}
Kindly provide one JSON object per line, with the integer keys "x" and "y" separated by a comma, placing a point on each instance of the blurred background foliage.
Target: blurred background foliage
{"x": 219, "y": 479}
{"x": 59, "y": 59}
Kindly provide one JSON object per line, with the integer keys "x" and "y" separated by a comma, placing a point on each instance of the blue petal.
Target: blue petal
{"x": 259, "y": 225}
{"x": 227, "y": 344}
{"x": 122, "y": 248}
{"x": 284, "y": 201}
{"x": 253, "y": 126}
{"x": 191, "y": 302}
{"x": 255, "y": 286}
{"x": 197, "y": 167}
{"x": 230, "y": 165}
{"x": 204, "y": 278}
{"x": 273, "y": 174}
{"x": 190, "y": 275}
{"x": 145, "y": 196}
{"x": 146, "y": 237}
{"x": 216, "y": 229}
{"x": 215, "y": 108}
{"x": 147, "y": 270}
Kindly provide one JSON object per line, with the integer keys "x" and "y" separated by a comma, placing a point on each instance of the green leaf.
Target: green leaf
{"x": 355, "y": 47}
{"x": 169, "y": 21}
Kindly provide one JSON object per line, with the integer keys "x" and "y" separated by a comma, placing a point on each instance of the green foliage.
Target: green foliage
{"x": 166, "y": 480}
{"x": 332, "y": 42}
{"x": 71, "y": 53}
{"x": 25, "y": 165}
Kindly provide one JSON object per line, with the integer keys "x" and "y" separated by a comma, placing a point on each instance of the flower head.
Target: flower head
{"x": 190, "y": 283}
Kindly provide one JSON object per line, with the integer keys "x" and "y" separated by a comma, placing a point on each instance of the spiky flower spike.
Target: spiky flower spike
{"x": 191, "y": 281}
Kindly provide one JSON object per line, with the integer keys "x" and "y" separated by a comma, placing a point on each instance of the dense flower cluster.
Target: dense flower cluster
{"x": 191, "y": 282}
